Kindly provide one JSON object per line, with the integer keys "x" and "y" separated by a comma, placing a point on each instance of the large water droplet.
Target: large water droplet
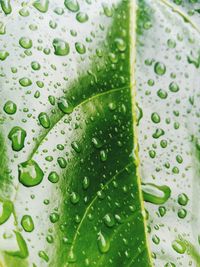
{"x": 44, "y": 120}
{"x": 41, "y": 5}
{"x": 156, "y": 194}
{"x": 72, "y": 5}
{"x": 30, "y": 174}
{"x": 183, "y": 199}
{"x": 179, "y": 246}
{"x": 6, "y": 208}
{"x": 61, "y": 48}
{"x": 3, "y": 55}
{"x": 160, "y": 68}
{"x": 25, "y": 82}
{"x": 25, "y": 42}
{"x": 103, "y": 243}
{"x": 65, "y": 106}
{"x": 6, "y": 6}
{"x": 27, "y": 223}
{"x": 10, "y": 107}
{"x": 53, "y": 177}
{"x": 17, "y": 136}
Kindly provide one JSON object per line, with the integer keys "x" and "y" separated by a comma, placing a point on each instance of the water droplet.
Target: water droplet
{"x": 170, "y": 264}
{"x": 173, "y": 87}
{"x": 65, "y": 106}
{"x": 6, "y": 6}
{"x": 25, "y": 82}
{"x": 103, "y": 155}
{"x": 10, "y": 107}
{"x": 61, "y": 48}
{"x": 179, "y": 246}
{"x": 30, "y": 174}
{"x": 120, "y": 44}
{"x": 183, "y": 199}
{"x": 86, "y": 183}
{"x": 103, "y": 243}
{"x": 27, "y": 223}
{"x": 109, "y": 220}
{"x": 156, "y": 239}
{"x": 2, "y": 28}
{"x": 74, "y": 198}
{"x": 108, "y": 11}
{"x": 80, "y": 48}
{"x": 156, "y": 194}
{"x": 162, "y": 211}
{"x": 25, "y": 42}
{"x": 53, "y": 177}
{"x": 82, "y": 17}
{"x": 24, "y": 12}
{"x": 17, "y": 136}
{"x": 6, "y": 210}
{"x": 35, "y": 65}
{"x": 158, "y": 133}
{"x": 72, "y": 5}
{"x": 160, "y": 68}
{"x": 171, "y": 43}
{"x": 44, "y": 120}
{"x": 179, "y": 159}
{"x": 62, "y": 162}
{"x": 162, "y": 94}
{"x": 42, "y": 254}
{"x": 54, "y": 217}
{"x": 96, "y": 142}
{"x": 76, "y": 146}
{"x": 3, "y": 54}
{"x": 182, "y": 213}
{"x": 155, "y": 117}
{"x": 41, "y": 5}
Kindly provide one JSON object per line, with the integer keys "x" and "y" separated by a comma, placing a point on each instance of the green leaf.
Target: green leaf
{"x": 75, "y": 166}
{"x": 168, "y": 34}
{"x": 96, "y": 95}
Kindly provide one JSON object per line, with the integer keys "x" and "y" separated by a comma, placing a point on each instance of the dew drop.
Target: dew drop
{"x": 156, "y": 194}
{"x": 17, "y": 136}
{"x": 44, "y": 120}
{"x": 61, "y": 48}
{"x": 27, "y": 223}
{"x": 159, "y": 68}
{"x": 103, "y": 243}
{"x": 10, "y": 107}
{"x": 30, "y": 174}
{"x": 72, "y": 5}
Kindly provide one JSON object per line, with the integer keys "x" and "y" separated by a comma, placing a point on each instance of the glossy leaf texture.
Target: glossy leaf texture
{"x": 167, "y": 75}
{"x": 70, "y": 189}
